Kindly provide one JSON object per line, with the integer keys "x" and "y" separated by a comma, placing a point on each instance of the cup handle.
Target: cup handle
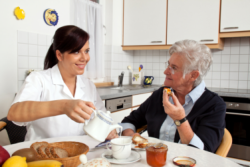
{"x": 153, "y": 78}
{"x": 107, "y": 146}
{"x": 86, "y": 122}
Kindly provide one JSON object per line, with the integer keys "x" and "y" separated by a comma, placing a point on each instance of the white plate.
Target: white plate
{"x": 134, "y": 157}
{"x": 150, "y": 140}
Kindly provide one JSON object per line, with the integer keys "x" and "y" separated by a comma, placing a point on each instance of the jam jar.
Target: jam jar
{"x": 156, "y": 157}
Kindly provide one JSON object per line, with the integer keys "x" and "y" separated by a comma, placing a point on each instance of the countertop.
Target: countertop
{"x": 106, "y": 93}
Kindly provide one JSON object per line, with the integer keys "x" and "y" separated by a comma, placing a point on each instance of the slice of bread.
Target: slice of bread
{"x": 169, "y": 92}
{"x": 48, "y": 152}
{"x": 59, "y": 152}
{"x": 137, "y": 139}
{"x": 36, "y": 145}
{"x": 41, "y": 152}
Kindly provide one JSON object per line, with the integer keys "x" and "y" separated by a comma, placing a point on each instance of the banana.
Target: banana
{"x": 45, "y": 163}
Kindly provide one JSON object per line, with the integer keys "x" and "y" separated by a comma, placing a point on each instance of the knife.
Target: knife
{"x": 97, "y": 148}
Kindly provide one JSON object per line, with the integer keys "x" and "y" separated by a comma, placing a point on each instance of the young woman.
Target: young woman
{"x": 57, "y": 101}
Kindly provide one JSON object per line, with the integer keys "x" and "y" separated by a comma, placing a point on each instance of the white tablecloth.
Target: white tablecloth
{"x": 203, "y": 158}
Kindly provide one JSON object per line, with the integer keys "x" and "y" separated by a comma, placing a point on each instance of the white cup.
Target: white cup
{"x": 121, "y": 147}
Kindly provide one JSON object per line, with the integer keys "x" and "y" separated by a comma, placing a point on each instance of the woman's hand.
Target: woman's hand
{"x": 78, "y": 110}
{"x": 113, "y": 134}
{"x": 175, "y": 111}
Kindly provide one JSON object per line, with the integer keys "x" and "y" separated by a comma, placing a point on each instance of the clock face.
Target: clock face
{"x": 177, "y": 123}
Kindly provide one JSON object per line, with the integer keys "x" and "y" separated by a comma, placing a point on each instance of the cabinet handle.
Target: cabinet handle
{"x": 156, "y": 41}
{"x": 206, "y": 40}
{"x": 226, "y": 28}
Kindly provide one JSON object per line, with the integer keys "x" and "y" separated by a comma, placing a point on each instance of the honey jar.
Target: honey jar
{"x": 156, "y": 157}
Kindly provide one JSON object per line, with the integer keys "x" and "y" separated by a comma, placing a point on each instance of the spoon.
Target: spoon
{"x": 109, "y": 156}
{"x": 158, "y": 145}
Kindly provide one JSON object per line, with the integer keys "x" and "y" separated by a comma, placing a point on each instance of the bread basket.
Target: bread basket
{"x": 75, "y": 149}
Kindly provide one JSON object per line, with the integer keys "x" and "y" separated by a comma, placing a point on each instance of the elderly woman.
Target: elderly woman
{"x": 193, "y": 115}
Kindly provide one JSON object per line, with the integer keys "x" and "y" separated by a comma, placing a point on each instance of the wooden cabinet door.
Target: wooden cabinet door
{"x": 235, "y": 15}
{"x": 119, "y": 115}
{"x": 144, "y": 22}
{"x": 193, "y": 19}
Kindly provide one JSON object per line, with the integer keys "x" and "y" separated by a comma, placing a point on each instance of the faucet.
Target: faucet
{"x": 120, "y": 79}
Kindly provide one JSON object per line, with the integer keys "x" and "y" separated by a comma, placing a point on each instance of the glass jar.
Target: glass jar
{"x": 156, "y": 157}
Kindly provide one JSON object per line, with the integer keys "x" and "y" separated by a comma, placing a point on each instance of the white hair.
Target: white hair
{"x": 198, "y": 57}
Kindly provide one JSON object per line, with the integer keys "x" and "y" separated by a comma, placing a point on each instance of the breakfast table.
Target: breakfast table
{"x": 203, "y": 158}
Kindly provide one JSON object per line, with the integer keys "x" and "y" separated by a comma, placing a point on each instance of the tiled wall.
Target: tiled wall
{"x": 230, "y": 69}
{"x": 116, "y": 61}
{"x": 31, "y": 51}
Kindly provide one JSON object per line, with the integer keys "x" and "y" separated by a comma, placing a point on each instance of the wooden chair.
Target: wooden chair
{"x": 142, "y": 129}
{"x": 225, "y": 144}
{"x": 16, "y": 133}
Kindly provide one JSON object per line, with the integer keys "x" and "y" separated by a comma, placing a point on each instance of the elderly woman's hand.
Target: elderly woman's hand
{"x": 175, "y": 111}
{"x": 113, "y": 134}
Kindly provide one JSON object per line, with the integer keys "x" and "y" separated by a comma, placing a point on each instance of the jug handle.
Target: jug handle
{"x": 114, "y": 127}
{"x": 86, "y": 122}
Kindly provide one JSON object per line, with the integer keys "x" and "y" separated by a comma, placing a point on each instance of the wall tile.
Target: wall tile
{"x": 244, "y": 49}
{"x": 216, "y": 83}
{"x": 23, "y": 62}
{"x": 216, "y": 52}
{"x": 225, "y": 58}
{"x": 42, "y": 39}
{"x": 33, "y": 38}
{"x": 33, "y": 50}
{"x": 156, "y": 73}
{"x": 224, "y": 83}
{"x": 235, "y": 41}
{"x": 49, "y": 40}
{"x": 163, "y": 58}
{"x": 224, "y": 67}
{"x": 244, "y": 41}
{"x": 234, "y": 67}
{"x": 243, "y": 76}
{"x": 156, "y": 58}
{"x": 224, "y": 75}
{"x": 216, "y": 67}
{"x": 20, "y": 83}
{"x": 226, "y": 50}
{"x": 162, "y": 66}
{"x": 233, "y": 84}
{"x": 216, "y": 75}
{"x": 216, "y": 58}
{"x": 42, "y": 51}
{"x": 227, "y": 42}
{"x": 162, "y": 80}
{"x": 156, "y": 66}
{"x": 242, "y": 85}
{"x": 22, "y": 37}
{"x": 234, "y": 59}
{"x": 40, "y": 62}
{"x": 149, "y": 58}
{"x": 243, "y": 67}
{"x": 22, "y": 49}
{"x": 208, "y": 83}
{"x": 22, "y": 73}
{"x": 149, "y": 66}
{"x": 234, "y": 75}
{"x": 33, "y": 62}
{"x": 244, "y": 58}
{"x": 156, "y": 81}
{"x": 235, "y": 50}
{"x": 209, "y": 75}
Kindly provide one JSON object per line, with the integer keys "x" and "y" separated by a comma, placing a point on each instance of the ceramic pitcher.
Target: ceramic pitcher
{"x": 100, "y": 126}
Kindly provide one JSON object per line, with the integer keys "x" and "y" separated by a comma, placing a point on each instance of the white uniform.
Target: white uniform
{"x": 48, "y": 85}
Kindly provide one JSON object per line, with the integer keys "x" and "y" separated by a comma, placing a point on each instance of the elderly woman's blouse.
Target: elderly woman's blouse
{"x": 48, "y": 85}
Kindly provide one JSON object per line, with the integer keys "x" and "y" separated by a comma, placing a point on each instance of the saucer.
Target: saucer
{"x": 134, "y": 156}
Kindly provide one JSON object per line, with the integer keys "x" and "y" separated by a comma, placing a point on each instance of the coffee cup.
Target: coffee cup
{"x": 121, "y": 147}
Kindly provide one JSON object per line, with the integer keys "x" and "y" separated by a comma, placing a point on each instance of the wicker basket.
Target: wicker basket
{"x": 75, "y": 149}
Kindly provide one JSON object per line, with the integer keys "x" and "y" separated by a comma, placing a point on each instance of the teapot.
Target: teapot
{"x": 100, "y": 126}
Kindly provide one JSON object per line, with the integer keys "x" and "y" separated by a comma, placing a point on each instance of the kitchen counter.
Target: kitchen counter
{"x": 107, "y": 93}
{"x": 242, "y": 93}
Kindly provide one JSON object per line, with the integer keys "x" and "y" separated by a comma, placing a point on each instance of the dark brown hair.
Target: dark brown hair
{"x": 67, "y": 38}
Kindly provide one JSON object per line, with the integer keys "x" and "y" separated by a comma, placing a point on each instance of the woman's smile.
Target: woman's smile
{"x": 81, "y": 66}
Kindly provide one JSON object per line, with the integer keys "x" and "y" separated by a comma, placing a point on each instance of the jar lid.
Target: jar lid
{"x": 182, "y": 160}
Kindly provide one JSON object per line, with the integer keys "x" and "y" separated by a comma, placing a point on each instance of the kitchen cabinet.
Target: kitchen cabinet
{"x": 118, "y": 116}
{"x": 235, "y": 20}
{"x": 139, "y": 99}
{"x": 144, "y": 22}
{"x": 193, "y": 19}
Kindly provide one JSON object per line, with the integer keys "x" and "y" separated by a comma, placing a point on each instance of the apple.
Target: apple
{"x": 4, "y": 155}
